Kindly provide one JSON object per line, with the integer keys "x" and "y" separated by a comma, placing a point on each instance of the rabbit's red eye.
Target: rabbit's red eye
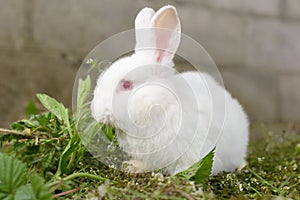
{"x": 126, "y": 84}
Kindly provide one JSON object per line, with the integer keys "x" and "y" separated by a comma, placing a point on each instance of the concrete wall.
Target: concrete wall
{"x": 255, "y": 43}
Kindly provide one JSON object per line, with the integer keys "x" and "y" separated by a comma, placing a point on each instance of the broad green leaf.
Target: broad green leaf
{"x": 200, "y": 171}
{"x": 12, "y": 174}
{"x": 36, "y": 190}
{"x": 56, "y": 108}
{"x": 25, "y": 192}
{"x": 84, "y": 87}
{"x": 204, "y": 170}
{"x": 39, "y": 188}
{"x": 4, "y": 196}
{"x": 31, "y": 109}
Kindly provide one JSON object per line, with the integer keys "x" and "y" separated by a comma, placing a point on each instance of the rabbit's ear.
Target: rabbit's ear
{"x": 167, "y": 29}
{"x": 143, "y": 35}
{"x": 143, "y": 18}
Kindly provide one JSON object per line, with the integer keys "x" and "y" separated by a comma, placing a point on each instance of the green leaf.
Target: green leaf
{"x": 36, "y": 190}
{"x": 88, "y": 131}
{"x": 56, "y": 108}
{"x": 25, "y": 192}
{"x": 4, "y": 196}
{"x": 13, "y": 179}
{"x": 109, "y": 133}
{"x": 12, "y": 174}
{"x": 31, "y": 109}
{"x": 19, "y": 126}
{"x": 39, "y": 188}
{"x": 84, "y": 87}
{"x": 63, "y": 166}
{"x": 200, "y": 171}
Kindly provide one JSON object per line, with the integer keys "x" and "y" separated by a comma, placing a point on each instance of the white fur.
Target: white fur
{"x": 169, "y": 120}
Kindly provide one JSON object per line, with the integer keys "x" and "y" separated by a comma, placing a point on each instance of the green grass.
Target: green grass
{"x": 273, "y": 170}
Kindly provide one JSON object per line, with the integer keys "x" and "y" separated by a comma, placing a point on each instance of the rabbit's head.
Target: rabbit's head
{"x": 157, "y": 39}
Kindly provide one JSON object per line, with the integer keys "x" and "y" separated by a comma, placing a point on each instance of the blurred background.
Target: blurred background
{"x": 255, "y": 44}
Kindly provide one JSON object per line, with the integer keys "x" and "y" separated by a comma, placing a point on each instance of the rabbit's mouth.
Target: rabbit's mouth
{"x": 106, "y": 119}
{"x": 102, "y": 115}
{"x": 109, "y": 120}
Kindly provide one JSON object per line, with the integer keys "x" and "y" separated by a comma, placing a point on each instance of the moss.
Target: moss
{"x": 273, "y": 171}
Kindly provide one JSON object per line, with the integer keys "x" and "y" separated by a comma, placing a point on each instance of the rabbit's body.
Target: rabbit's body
{"x": 179, "y": 145}
{"x": 169, "y": 120}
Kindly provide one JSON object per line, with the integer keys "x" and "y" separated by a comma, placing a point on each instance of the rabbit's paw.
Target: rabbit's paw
{"x": 134, "y": 167}
{"x": 241, "y": 166}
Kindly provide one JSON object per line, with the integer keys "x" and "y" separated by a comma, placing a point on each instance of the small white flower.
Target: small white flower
{"x": 193, "y": 185}
{"x": 112, "y": 166}
{"x": 286, "y": 187}
{"x": 240, "y": 187}
{"x": 159, "y": 176}
{"x": 90, "y": 61}
{"x": 199, "y": 192}
{"x": 295, "y": 166}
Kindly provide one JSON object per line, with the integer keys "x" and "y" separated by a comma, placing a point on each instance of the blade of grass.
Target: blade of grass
{"x": 275, "y": 189}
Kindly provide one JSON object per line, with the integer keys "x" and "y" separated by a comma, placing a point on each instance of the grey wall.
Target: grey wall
{"x": 255, "y": 43}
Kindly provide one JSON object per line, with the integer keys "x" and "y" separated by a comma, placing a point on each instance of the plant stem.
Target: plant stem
{"x": 66, "y": 192}
{"x": 8, "y": 131}
{"x": 77, "y": 175}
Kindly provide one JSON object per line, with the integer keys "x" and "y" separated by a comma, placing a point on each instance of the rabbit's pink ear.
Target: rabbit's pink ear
{"x": 143, "y": 35}
{"x": 167, "y": 33}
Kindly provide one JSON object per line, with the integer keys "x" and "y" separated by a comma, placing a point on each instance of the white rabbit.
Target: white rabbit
{"x": 169, "y": 120}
